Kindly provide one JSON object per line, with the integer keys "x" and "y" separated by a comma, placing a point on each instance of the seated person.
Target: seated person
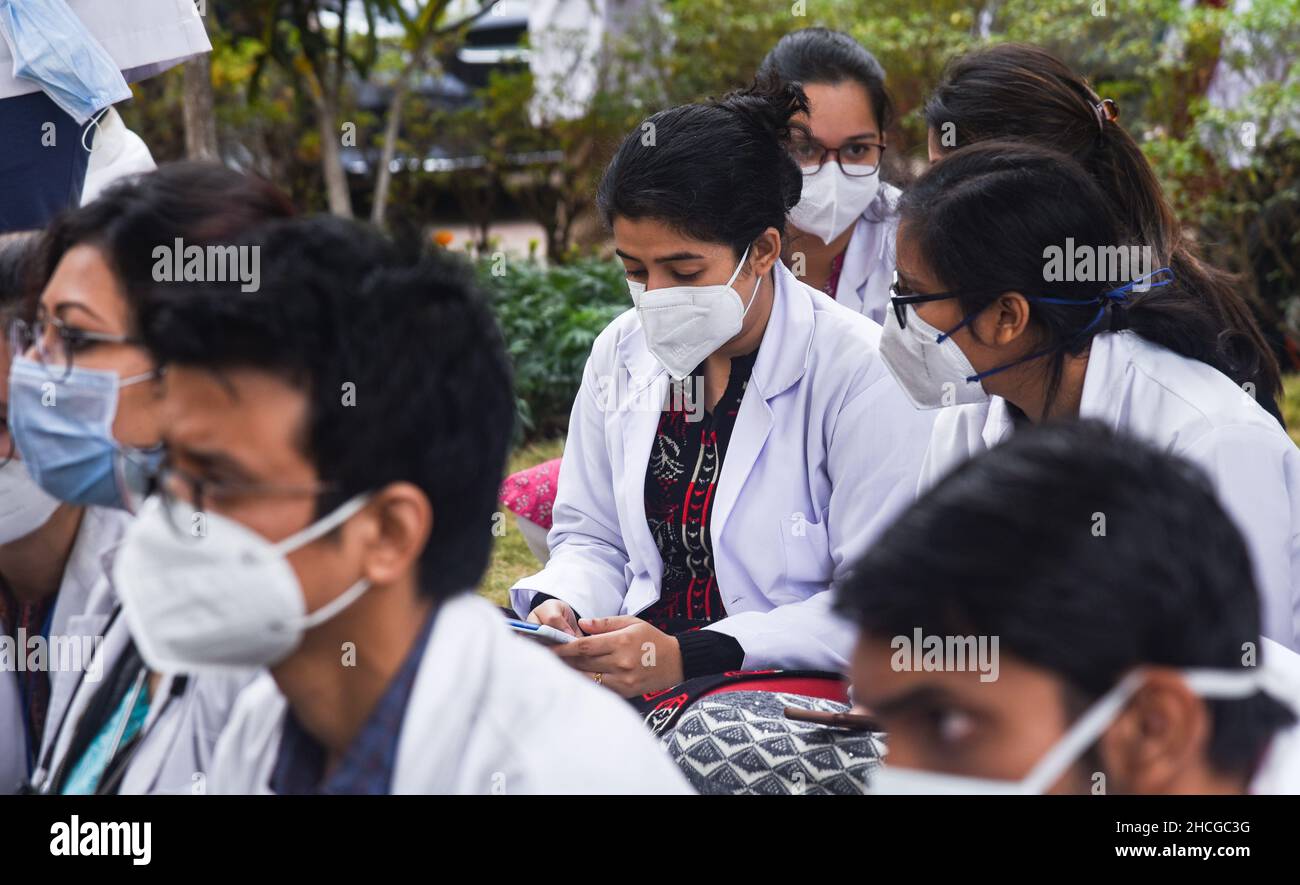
{"x": 334, "y": 444}
{"x": 530, "y": 495}
{"x": 736, "y": 440}
{"x": 1071, "y": 612}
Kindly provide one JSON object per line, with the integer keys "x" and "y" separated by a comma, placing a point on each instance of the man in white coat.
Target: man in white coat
{"x": 1072, "y": 611}
{"x": 335, "y": 443}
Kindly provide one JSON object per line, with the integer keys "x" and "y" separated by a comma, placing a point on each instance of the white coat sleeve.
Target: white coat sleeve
{"x": 588, "y": 557}
{"x": 1257, "y": 476}
{"x": 873, "y": 460}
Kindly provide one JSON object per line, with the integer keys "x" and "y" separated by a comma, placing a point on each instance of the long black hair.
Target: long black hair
{"x": 717, "y": 171}
{"x": 982, "y": 220}
{"x": 1015, "y": 90}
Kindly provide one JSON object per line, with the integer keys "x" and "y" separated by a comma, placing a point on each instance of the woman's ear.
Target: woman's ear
{"x": 766, "y": 251}
{"x": 1008, "y": 319}
{"x": 403, "y": 523}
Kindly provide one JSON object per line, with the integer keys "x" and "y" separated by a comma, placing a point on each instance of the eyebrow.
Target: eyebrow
{"x": 219, "y": 461}
{"x": 861, "y": 136}
{"x": 905, "y": 280}
{"x": 676, "y": 256}
{"x": 64, "y": 306}
{"x": 922, "y": 695}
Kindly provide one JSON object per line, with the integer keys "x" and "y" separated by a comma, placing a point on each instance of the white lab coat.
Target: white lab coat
{"x": 489, "y": 712}
{"x": 144, "y": 37}
{"x": 180, "y": 731}
{"x": 868, "y": 268}
{"x": 1279, "y": 771}
{"x": 824, "y": 454}
{"x": 80, "y": 610}
{"x": 1191, "y": 410}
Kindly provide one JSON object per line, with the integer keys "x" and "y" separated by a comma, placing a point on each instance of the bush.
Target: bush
{"x": 550, "y": 316}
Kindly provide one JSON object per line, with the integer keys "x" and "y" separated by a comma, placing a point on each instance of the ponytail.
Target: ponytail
{"x": 1023, "y": 92}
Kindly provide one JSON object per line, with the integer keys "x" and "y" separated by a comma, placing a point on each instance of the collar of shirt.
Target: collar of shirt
{"x": 367, "y": 766}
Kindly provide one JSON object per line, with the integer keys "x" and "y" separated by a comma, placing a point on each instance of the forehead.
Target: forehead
{"x": 838, "y": 111}
{"x": 885, "y": 670}
{"x": 84, "y": 277}
{"x": 649, "y": 238}
{"x": 253, "y": 417}
{"x": 908, "y": 258}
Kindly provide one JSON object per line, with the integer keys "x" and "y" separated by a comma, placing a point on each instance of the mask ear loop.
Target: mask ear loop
{"x": 323, "y": 527}
{"x": 757, "y": 283}
{"x": 93, "y": 125}
{"x": 1083, "y": 734}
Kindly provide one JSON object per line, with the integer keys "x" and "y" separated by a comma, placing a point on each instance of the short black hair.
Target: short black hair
{"x": 198, "y": 202}
{"x": 1007, "y": 545}
{"x": 718, "y": 171}
{"x": 18, "y": 253}
{"x": 342, "y": 304}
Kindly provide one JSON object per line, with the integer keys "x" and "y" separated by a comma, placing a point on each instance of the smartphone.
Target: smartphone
{"x": 540, "y": 632}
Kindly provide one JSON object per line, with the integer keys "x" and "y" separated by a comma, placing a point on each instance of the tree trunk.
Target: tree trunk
{"x": 197, "y": 109}
{"x": 336, "y": 180}
{"x": 392, "y": 128}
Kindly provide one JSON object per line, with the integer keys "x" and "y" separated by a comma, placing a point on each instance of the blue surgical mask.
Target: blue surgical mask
{"x": 64, "y": 432}
{"x": 52, "y": 48}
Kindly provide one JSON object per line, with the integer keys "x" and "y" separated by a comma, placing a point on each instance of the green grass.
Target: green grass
{"x": 511, "y": 558}
{"x": 1291, "y": 405}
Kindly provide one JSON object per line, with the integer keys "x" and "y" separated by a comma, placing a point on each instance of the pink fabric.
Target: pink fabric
{"x": 530, "y": 493}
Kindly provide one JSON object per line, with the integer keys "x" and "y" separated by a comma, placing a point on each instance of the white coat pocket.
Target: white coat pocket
{"x": 807, "y": 555}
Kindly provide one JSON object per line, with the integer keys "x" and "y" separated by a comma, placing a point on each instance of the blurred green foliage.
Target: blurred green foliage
{"x": 1232, "y": 173}
{"x": 550, "y": 316}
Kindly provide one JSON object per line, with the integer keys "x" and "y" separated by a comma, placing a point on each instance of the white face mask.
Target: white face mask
{"x": 228, "y": 598}
{"x": 684, "y": 324}
{"x": 1206, "y": 683}
{"x": 929, "y": 366}
{"x": 24, "y": 506}
{"x": 831, "y": 201}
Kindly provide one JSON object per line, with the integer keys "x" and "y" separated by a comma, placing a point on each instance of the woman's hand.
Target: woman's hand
{"x": 630, "y": 655}
{"x": 557, "y": 614}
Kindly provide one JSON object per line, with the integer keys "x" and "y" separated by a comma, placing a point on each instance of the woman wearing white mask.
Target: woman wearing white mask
{"x": 841, "y": 232}
{"x": 735, "y": 439}
{"x": 1019, "y": 300}
{"x": 84, "y": 410}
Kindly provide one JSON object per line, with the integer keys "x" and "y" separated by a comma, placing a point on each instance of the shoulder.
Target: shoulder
{"x": 1188, "y": 399}
{"x": 604, "y": 351}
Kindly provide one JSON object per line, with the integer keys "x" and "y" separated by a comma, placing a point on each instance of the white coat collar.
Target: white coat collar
{"x": 1109, "y": 359}
{"x": 870, "y": 249}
